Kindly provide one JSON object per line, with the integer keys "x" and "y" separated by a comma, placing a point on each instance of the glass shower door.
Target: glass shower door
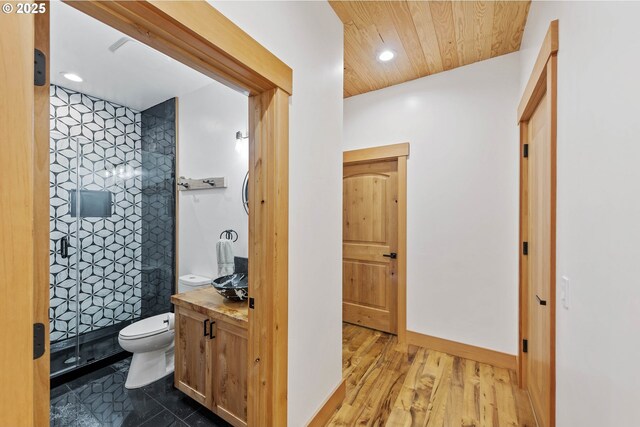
{"x": 95, "y": 247}
{"x": 108, "y": 244}
{"x": 63, "y": 284}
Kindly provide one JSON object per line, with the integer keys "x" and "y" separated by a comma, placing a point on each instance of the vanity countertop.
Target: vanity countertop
{"x": 208, "y": 302}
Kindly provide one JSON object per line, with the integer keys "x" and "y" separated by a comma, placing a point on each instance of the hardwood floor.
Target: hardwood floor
{"x": 393, "y": 385}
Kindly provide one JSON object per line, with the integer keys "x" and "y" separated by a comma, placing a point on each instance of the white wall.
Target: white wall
{"x": 462, "y": 231}
{"x": 308, "y": 37}
{"x": 598, "y": 206}
{"x": 208, "y": 121}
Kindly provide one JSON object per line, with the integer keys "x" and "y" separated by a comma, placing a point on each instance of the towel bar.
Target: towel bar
{"x": 229, "y": 235}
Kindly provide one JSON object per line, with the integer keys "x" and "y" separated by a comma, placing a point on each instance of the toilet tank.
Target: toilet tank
{"x": 191, "y": 282}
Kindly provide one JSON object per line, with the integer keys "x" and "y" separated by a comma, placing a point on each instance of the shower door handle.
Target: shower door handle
{"x": 64, "y": 247}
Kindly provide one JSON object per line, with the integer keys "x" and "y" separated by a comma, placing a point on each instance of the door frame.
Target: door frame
{"x": 18, "y": 278}
{"x": 543, "y": 80}
{"x": 399, "y": 152}
{"x": 198, "y": 35}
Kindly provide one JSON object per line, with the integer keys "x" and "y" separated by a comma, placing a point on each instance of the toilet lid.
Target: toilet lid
{"x": 194, "y": 280}
{"x": 146, "y": 327}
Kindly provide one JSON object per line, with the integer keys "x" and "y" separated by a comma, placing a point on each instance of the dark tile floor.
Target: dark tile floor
{"x": 100, "y": 399}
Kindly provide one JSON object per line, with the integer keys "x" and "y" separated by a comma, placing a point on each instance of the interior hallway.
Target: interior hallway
{"x": 393, "y": 385}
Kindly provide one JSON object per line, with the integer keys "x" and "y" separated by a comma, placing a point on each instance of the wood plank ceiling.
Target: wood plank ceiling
{"x": 427, "y": 37}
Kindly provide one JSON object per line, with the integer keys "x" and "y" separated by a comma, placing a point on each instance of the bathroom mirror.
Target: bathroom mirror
{"x": 245, "y": 193}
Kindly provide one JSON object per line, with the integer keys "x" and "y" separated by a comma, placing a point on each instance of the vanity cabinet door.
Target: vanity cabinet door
{"x": 192, "y": 356}
{"x": 230, "y": 373}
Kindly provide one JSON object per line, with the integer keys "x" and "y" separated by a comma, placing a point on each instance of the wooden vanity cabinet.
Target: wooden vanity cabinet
{"x": 192, "y": 355}
{"x": 230, "y": 373}
{"x": 211, "y": 363}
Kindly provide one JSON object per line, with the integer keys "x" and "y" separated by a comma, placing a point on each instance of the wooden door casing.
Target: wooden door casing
{"x": 198, "y": 35}
{"x": 538, "y": 260}
{"x": 370, "y": 224}
{"x": 42, "y": 196}
{"x": 192, "y": 354}
{"x": 23, "y": 394}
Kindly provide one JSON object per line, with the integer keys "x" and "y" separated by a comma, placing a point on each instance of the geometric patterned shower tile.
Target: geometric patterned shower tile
{"x": 112, "y": 137}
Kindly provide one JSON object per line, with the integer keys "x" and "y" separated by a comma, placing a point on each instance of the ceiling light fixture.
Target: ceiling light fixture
{"x": 386, "y": 55}
{"x": 71, "y": 76}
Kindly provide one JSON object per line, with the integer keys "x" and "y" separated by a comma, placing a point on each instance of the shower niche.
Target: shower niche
{"x": 94, "y": 203}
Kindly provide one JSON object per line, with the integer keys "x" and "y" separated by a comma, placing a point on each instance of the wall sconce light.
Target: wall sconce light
{"x": 240, "y": 136}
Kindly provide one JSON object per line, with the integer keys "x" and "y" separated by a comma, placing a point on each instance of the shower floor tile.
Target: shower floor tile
{"x": 94, "y": 346}
{"x": 100, "y": 399}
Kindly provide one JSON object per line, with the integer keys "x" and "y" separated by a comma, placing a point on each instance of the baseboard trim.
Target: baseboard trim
{"x": 330, "y": 406}
{"x": 479, "y": 354}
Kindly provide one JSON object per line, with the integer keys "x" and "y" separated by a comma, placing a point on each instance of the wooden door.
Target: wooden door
{"x": 537, "y": 116}
{"x": 539, "y": 269}
{"x": 193, "y": 370}
{"x": 24, "y": 397}
{"x": 370, "y": 243}
{"x": 230, "y": 373}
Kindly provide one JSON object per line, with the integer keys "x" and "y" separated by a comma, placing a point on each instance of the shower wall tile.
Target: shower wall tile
{"x": 106, "y": 251}
{"x": 158, "y": 207}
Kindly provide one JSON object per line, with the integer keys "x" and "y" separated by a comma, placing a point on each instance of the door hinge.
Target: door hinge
{"x": 39, "y": 68}
{"x": 525, "y": 346}
{"x": 251, "y": 303}
{"x": 38, "y": 340}
{"x": 525, "y": 150}
{"x": 525, "y": 248}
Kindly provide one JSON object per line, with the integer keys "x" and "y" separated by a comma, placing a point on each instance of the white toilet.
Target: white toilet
{"x": 192, "y": 282}
{"x": 151, "y": 340}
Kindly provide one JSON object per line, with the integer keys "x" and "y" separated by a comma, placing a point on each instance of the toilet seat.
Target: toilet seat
{"x": 146, "y": 327}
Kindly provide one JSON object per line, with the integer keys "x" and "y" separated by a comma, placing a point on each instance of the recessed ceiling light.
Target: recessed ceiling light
{"x": 71, "y": 76}
{"x": 386, "y": 55}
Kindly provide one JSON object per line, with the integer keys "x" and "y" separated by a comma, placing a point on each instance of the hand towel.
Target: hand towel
{"x": 224, "y": 251}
